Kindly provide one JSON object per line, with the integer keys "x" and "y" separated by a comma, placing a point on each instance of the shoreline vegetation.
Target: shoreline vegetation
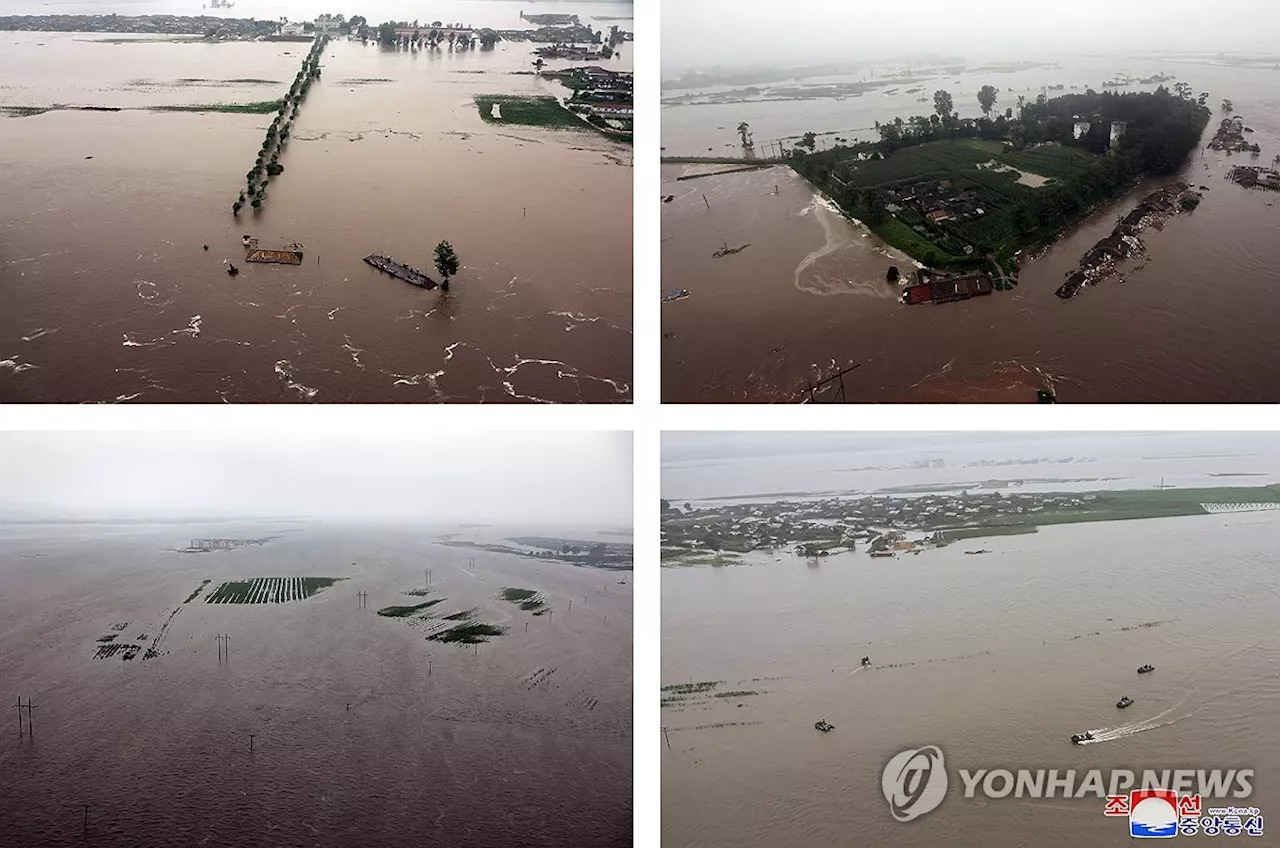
{"x": 261, "y": 107}
{"x": 608, "y": 555}
{"x": 541, "y": 111}
{"x": 890, "y": 525}
{"x": 267, "y": 165}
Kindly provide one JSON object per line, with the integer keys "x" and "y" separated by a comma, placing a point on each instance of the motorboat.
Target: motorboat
{"x": 1077, "y": 738}
{"x": 1124, "y": 702}
{"x": 824, "y": 725}
{"x": 1146, "y": 668}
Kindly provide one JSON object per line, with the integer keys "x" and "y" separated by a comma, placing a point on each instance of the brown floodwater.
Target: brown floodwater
{"x": 109, "y": 295}
{"x": 364, "y": 732}
{"x": 1193, "y": 322}
{"x": 997, "y": 659}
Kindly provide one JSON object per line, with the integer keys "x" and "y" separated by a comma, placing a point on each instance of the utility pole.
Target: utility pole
{"x": 224, "y": 646}
{"x": 704, "y": 200}
{"x": 364, "y": 599}
{"x": 19, "y": 706}
{"x": 30, "y": 724}
{"x": 251, "y": 743}
{"x": 667, "y": 737}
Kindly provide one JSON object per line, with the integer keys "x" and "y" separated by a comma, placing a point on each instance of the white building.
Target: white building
{"x": 292, "y": 28}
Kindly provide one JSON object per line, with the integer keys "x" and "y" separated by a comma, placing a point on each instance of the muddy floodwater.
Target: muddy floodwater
{"x": 996, "y": 658}
{"x": 108, "y": 294}
{"x": 1192, "y": 322}
{"x": 365, "y": 733}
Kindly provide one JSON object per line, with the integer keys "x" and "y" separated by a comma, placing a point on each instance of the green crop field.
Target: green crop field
{"x": 527, "y": 599}
{"x": 530, "y": 111}
{"x": 405, "y": 612}
{"x": 1056, "y": 162}
{"x": 269, "y": 590}
{"x": 469, "y": 634}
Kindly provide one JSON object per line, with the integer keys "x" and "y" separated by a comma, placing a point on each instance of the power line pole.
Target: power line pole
{"x": 251, "y": 735}
{"x": 30, "y": 724}
{"x": 667, "y": 737}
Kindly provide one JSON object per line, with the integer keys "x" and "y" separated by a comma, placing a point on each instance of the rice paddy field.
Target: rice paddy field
{"x": 345, "y": 704}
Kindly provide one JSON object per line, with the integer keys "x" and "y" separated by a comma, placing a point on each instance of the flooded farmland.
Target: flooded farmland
{"x": 808, "y": 297}
{"x": 363, "y": 730}
{"x": 109, "y": 294}
{"x": 996, "y": 649}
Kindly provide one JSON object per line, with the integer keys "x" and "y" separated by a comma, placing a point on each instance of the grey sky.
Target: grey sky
{"x": 701, "y": 33}
{"x": 692, "y": 447}
{"x": 580, "y": 479}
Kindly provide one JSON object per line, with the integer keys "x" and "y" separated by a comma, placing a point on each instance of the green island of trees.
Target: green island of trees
{"x": 267, "y": 165}
{"x": 1022, "y": 179}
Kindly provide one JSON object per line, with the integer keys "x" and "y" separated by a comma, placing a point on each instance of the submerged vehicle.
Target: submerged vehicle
{"x": 1124, "y": 702}
{"x": 1146, "y": 668}
{"x": 1077, "y": 738}
{"x": 824, "y": 725}
{"x": 866, "y": 661}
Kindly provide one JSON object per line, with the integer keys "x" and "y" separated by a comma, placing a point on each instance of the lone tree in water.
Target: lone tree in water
{"x": 446, "y": 262}
{"x": 744, "y": 133}
{"x": 987, "y": 98}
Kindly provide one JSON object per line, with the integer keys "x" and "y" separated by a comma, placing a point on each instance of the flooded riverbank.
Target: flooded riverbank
{"x": 1173, "y": 330}
{"x": 110, "y": 296}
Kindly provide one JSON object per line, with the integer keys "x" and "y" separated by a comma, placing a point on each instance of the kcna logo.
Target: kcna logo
{"x": 914, "y": 782}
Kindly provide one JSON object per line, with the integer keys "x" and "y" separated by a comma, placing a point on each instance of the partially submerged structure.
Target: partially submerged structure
{"x": 1099, "y": 262}
{"x": 941, "y": 287}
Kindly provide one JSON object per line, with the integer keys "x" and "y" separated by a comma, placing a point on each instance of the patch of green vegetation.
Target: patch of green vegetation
{"x": 1055, "y": 162}
{"x": 527, "y": 599}
{"x": 25, "y": 111}
{"x": 741, "y": 694}
{"x": 405, "y": 612}
{"x": 111, "y": 637}
{"x": 955, "y": 534}
{"x": 365, "y": 81}
{"x": 197, "y": 591}
{"x": 264, "y": 590}
{"x": 418, "y": 593}
{"x": 468, "y": 633}
{"x": 261, "y": 107}
{"x": 465, "y": 615}
{"x": 691, "y": 688}
{"x": 528, "y": 111}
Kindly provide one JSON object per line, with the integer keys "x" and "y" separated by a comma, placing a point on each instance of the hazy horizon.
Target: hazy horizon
{"x": 580, "y": 479}
{"x": 740, "y": 33}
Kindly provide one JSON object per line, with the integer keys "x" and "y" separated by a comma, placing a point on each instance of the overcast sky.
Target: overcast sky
{"x": 581, "y": 479}
{"x": 694, "y": 447}
{"x": 700, "y": 33}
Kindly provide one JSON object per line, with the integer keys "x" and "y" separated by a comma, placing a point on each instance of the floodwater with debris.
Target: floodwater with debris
{"x": 996, "y": 658}
{"x": 108, "y": 294}
{"x": 364, "y": 732}
{"x": 1193, "y": 321}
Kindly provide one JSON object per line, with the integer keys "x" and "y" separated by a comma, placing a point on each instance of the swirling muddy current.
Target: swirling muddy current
{"x": 111, "y": 295}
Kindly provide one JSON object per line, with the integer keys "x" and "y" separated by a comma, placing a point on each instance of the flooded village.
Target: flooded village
{"x": 888, "y": 524}
{"x": 437, "y": 212}
{"x": 986, "y": 214}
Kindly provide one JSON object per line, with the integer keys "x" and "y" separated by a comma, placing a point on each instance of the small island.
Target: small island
{"x": 973, "y": 194}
